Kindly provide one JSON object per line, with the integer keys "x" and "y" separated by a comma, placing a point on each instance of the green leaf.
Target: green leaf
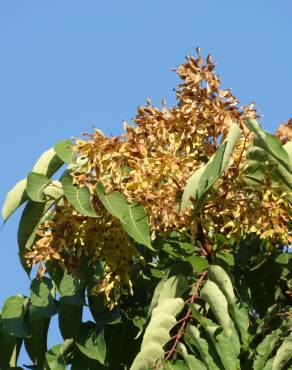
{"x": 202, "y": 346}
{"x": 178, "y": 365}
{"x": 205, "y": 177}
{"x": 36, "y": 342}
{"x": 198, "y": 263}
{"x": 135, "y": 223}
{"x": 36, "y": 184}
{"x": 219, "y": 306}
{"x": 269, "y": 143}
{"x": 80, "y": 198}
{"x": 157, "y": 333}
{"x": 70, "y": 289}
{"x": 132, "y": 216}
{"x": 80, "y": 361}
{"x": 41, "y": 291}
{"x": 288, "y": 148}
{"x": 48, "y": 163}
{"x": 54, "y": 190}
{"x": 69, "y": 314}
{"x": 14, "y": 316}
{"x": 123, "y": 347}
{"x": 192, "y": 361}
{"x": 219, "y": 276}
{"x": 14, "y": 198}
{"x": 265, "y": 349}
{"x": 212, "y": 172}
{"x": 240, "y": 316}
{"x": 191, "y": 188}
{"x": 55, "y": 359}
{"x": 221, "y": 343}
{"x": 218, "y": 303}
{"x": 172, "y": 287}
{"x": 256, "y": 166}
{"x": 30, "y": 219}
{"x": 283, "y": 354}
{"x": 90, "y": 341}
{"x": 114, "y": 202}
{"x": 9, "y": 349}
{"x": 65, "y": 152}
{"x": 277, "y": 155}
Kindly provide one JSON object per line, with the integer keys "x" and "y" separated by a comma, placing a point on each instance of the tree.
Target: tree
{"x": 174, "y": 234}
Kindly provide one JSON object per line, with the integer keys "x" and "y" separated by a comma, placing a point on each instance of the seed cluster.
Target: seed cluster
{"x": 151, "y": 163}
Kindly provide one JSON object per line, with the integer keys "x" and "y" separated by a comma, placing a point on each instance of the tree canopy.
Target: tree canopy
{"x": 175, "y": 234}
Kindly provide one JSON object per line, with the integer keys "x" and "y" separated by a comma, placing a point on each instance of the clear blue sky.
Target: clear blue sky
{"x": 68, "y": 65}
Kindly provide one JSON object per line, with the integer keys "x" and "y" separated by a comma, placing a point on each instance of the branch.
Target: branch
{"x": 183, "y": 320}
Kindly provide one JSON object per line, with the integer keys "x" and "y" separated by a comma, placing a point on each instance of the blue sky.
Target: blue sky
{"x": 68, "y": 65}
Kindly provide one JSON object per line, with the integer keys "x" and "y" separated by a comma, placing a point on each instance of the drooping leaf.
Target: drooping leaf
{"x": 55, "y": 358}
{"x": 219, "y": 306}
{"x": 14, "y": 317}
{"x": 36, "y": 342}
{"x": 80, "y": 198}
{"x": 90, "y": 341}
{"x": 218, "y": 303}
{"x": 238, "y": 313}
{"x": 219, "y": 276}
{"x": 14, "y": 198}
{"x": 64, "y": 151}
{"x": 48, "y": 163}
{"x": 157, "y": 333}
{"x": 36, "y": 184}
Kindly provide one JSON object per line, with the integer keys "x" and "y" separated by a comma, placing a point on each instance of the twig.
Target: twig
{"x": 183, "y": 320}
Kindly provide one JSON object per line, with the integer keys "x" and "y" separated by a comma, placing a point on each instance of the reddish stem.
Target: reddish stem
{"x": 183, "y": 320}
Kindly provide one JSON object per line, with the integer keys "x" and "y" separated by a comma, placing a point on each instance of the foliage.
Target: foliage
{"x": 175, "y": 235}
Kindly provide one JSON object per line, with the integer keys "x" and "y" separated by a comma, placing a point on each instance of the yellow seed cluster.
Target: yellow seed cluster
{"x": 69, "y": 237}
{"x": 151, "y": 163}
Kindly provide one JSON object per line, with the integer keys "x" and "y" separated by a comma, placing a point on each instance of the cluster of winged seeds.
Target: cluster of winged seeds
{"x": 151, "y": 163}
